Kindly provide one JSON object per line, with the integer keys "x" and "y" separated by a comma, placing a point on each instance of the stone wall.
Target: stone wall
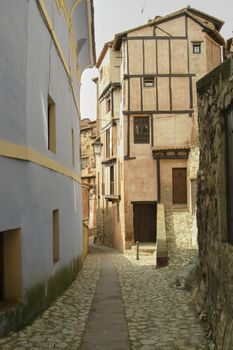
{"x": 214, "y": 294}
{"x": 179, "y": 228}
{"x": 108, "y": 229}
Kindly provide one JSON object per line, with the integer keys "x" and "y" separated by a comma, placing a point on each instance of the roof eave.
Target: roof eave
{"x": 103, "y": 53}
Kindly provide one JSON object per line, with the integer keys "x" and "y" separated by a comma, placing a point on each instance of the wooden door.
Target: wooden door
{"x": 144, "y": 222}
{"x": 179, "y": 184}
{"x": 229, "y": 171}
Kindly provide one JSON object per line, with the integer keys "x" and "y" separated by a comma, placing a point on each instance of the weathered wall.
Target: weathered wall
{"x": 109, "y": 230}
{"x": 179, "y": 228}
{"x": 215, "y": 290}
{"x": 29, "y": 72}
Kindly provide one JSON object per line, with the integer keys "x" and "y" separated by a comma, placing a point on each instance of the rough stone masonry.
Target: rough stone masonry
{"x": 214, "y": 294}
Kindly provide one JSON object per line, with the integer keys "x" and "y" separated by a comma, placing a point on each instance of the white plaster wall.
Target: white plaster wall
{"x": 29, "y": 193}
{"x": 13, "y": 42}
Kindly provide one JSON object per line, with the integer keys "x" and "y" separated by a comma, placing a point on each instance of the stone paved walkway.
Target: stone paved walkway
{"x": 158, "y": 316}
{"x": 63, "y": 324}
{"x": 107, "y": 328}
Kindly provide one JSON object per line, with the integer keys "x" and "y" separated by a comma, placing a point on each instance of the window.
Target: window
{"x": 112, "y": 180}
{"x": 72, "y": 139}
{"x": 10, "y": 266}
{"x": 108, "y": 105}
{"x": 56, "y": 238}
{"x": 149, "y": 82}
{"x": 196, "y": 48}
{"x": 108, "y": 143}
{"x": 141, "y": 130}
{"x": 229, "y": 172}
{"x": 51, "y": 125}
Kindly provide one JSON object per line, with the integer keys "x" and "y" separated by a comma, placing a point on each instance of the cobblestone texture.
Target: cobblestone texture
{"x": 179, "y": 228}
{"x": 63, "y": 324}
{"x": 159, "y": 317}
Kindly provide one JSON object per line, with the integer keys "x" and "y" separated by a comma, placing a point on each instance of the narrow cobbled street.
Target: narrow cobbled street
{"x": 117, "y": 302}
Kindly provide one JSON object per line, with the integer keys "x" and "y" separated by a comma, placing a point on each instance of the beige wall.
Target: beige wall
{"x": 212, "y": 53}
{"x": 143, "y": 31}
{"x": 174, "y": 26}
{"x": 150, "y": 54}
{"x": 172, "y": 131}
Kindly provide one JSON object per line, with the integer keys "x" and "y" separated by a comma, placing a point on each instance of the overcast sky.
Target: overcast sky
{"x": 115, "y": 16}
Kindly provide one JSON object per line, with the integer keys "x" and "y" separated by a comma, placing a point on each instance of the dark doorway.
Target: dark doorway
{"x": 144, "y": 221}
{"x": 179, "y": 185}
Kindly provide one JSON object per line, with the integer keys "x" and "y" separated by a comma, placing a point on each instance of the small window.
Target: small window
{"x": 196, "y": 48}
{"x": 56, "y": 238}
{"x": 149, "y": 82}
{"x": 108, "y": 143}
{"x": 108, "y": 105}
{"x": 141, "y": 130}
{"x": 51, "y": 125}
{"x": 112, "y": 180}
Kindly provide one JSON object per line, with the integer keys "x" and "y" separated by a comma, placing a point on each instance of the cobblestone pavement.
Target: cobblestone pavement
{"x": 159, "y": 317}
{"x": 63, "y": 324}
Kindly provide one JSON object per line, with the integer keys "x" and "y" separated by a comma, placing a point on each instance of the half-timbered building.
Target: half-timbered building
{"x": 147, "y": 119}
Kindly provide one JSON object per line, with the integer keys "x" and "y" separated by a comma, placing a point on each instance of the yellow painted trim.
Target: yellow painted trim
{"x": 59, "y": 6}
{"x": 50, "y": 27}
{"x": 90, "y": 33}
{"x": 20, "y": 152}
{"x": 66, "y": 12}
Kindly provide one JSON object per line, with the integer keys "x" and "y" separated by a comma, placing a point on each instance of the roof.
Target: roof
{"x": 103, "y": 53}
{"x": 210, "y": 23}
{"x": 87, "y": 124}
